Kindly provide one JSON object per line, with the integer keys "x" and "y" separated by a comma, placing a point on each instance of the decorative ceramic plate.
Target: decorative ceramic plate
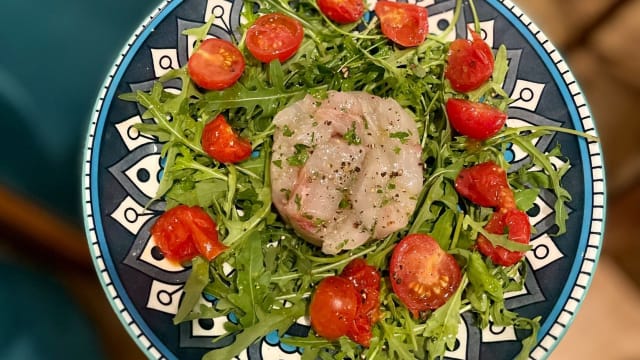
{"x": 122, "y": 169}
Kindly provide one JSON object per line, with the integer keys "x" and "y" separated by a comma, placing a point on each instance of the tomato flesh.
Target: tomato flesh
{"x": 518, "y": 227}
{"x": 223, "y": 144}
{"x": 403, "y": 23}
{"x": 216, "y": 64}
{"x": 473, "y": 119}
{"x": 347, "y": 304}
{"x": 485, "y": 184}
{"x": 185, "y": 232}
{"x": 342, "y": 11}
{"x": 333, "y": 307}
{"x": 274, "y": 36}
{"x": 469, "y": 63}
{"x": 366, "y": 280}
{"x": 422, "y": 274}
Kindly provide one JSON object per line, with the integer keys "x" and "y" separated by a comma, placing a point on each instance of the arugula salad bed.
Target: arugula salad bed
{"x": 266, "y": 274}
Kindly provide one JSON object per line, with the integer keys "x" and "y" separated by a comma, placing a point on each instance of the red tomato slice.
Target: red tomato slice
{"x": 342, "y": 11}
{"x": 486, "y": 185}
{"x": 516, "y": 223}
{"x": 333, "y": 307}
{"x": 223, "y": 144}
{"x": 405, "y": 24}
{"x": 366, "y": 280}
{"x": 422, "y": 274}
{"x": 469, "y": 63}
{"x": 216, "y": 64}
{"x": 184, "y": 232}
{"x": 274, "y": 36}
{"x": 476, "y": 120}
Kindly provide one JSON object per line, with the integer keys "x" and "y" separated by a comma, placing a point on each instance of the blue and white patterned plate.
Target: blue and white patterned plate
{"x": 122, "y": 169}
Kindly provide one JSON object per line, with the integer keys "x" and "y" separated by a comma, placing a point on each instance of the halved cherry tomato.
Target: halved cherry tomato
{"x": 274, "y": 36}
{"x": 403, "y": 23}
{"x": 422, "y": 274}
{"x": 333, "y": 307}
{"x": 473, "y": 119}
{"x": 342, "y": 11}
{"x": 223, "y": 144}
{"x": 486, "y": 185}
{"x": 184, "y": 232}
{"x": 516, "y": 223}
{"x": 216, "y": 64}
{"x": 469, "y": 63}
{"x": 366, "y": 280}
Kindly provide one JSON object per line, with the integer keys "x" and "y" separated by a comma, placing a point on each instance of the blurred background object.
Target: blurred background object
{"x": 53, "y": 62}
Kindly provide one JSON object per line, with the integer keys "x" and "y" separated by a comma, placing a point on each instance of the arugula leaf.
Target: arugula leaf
{"x": 480, "y": 277}
{"x": 249, "y": 281}
{"x": 538, "y": 158}
{"x": 495, "y": 239}
{"x": 525, "y": 198}
{"x": 278, "y": 320}
{"x": 198, "y": 279}
{"x": 441, "y": 329}
{"x": 442, "y": 230}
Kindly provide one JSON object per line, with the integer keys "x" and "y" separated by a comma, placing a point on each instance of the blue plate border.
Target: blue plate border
{"x": 121, "y": 303}
{"x": 590, "y": 242}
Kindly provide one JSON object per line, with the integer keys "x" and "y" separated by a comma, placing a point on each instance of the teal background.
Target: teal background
{"x": 54, "y": 57}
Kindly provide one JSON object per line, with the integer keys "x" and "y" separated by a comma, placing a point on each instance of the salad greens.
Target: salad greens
{"x": 273, "y": 270}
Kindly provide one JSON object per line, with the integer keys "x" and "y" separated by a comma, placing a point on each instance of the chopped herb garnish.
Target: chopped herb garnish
{"x": 351, "y": 137}
{"x": 300, "y": 156}
{"x": 286, "y": 131}
{"x": 400, "y": 135}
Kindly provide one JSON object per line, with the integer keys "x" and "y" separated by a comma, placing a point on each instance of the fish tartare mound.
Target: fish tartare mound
{"x": 345, "y": 170}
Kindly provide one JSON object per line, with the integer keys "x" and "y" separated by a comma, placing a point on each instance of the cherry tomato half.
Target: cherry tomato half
{"x": 274, "y": 36}
{"x": 366, "y": 280}
{"x": 342, "y": 11}
{"x": 469, "y": 63}
{"x": 333, "y": 307}
{"x": 473, "y": 119}
{"x": 486, "y": 185}
{"x": 422, "y": 274}
{"x": 518, "y": 227}
{"x": 216, "y": 64}
{"x": 404, "y": 24}
{"x": 184, "y": 232}
{"x": 223, "y": 144}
